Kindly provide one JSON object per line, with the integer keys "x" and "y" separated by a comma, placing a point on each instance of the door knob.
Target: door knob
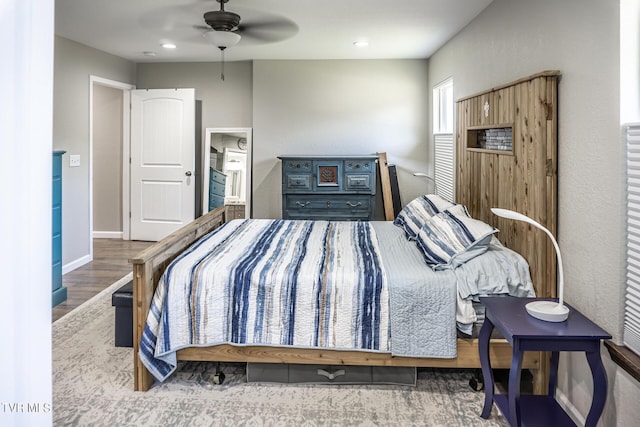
{"x": 188, "y": 173}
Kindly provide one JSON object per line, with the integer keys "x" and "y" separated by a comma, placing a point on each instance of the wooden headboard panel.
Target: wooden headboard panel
{"x": 521, "y": 176}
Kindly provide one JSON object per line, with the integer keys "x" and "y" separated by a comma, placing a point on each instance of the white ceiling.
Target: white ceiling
{"x": 317, "y": 29}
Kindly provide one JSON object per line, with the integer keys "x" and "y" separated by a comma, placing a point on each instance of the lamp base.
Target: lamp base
{"x": 549, "y": 311}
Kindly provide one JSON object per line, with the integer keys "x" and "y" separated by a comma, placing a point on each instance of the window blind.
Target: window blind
{"x": 631, "y": 333}
{"x": 443, "y": 154}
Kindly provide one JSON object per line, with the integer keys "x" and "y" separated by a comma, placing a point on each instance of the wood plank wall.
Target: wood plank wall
{"x": 523, "y": 180}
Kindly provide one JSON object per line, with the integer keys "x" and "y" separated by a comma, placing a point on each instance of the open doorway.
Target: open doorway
{"x": 226, "y": 177}
{"x": 108, "y": 153}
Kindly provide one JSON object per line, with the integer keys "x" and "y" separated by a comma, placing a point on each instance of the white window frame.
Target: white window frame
{"x": 443, "y": 107}
{"x": 443, "y": 141}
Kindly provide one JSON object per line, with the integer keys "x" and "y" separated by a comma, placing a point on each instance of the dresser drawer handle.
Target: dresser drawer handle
{"x": 354, "y": 205}
{"x": 302, "y": 205}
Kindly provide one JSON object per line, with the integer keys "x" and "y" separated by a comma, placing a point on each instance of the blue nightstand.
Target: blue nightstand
{"x": 526, "y": 333}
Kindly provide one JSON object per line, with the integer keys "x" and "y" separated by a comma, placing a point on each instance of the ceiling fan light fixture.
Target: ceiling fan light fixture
{"x": 222, "y": 39}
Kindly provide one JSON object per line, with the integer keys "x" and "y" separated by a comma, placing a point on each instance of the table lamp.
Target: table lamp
{"x": 549, "y": 311}
{"x": 424, "y": 175}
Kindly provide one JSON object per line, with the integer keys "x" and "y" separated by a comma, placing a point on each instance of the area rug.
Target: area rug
{"x": 93, "y": 386}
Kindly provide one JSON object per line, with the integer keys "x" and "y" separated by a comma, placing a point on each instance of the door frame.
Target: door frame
{"x": 126, "y": 120}
{"x": 206, "y": 149}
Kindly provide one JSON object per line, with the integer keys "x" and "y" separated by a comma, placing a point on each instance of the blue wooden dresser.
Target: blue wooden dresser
{"x": 217, "y": 183}
{"x": 337, "y": 188}
{"x": 59, "y": 293}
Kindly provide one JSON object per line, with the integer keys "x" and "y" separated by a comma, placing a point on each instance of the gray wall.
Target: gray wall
{"x": 74, "y": 64}
{"x": 311, "y": 107}
{"x": 516, "y": 38}
{"x": 107, "y": 148}
{"x": 224, "y": 103}
{"x": 337, "y": 107}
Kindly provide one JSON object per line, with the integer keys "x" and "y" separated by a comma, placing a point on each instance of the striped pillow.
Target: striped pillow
{"x": 418, "y": 211}
{"x": 451, "y": 238}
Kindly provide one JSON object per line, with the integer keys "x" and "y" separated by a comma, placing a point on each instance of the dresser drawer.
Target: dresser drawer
{"x": 324, "y": 215}
{"x": 359, "y": 166}
{"x": 297, "y": 165}
{"x": 359, "y": 182}
{"x": 328, "y": 207}
{"x": 328, "y": 202}
{"x": 235, "y": 212}
{"x": 215, "y": 201}
{"x": 216, "y": 189}
{"x": 217, "y": 176}
{"x": 298, "y": 182}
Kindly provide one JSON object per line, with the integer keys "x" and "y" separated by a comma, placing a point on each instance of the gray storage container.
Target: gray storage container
{"x": 330, "y": 374}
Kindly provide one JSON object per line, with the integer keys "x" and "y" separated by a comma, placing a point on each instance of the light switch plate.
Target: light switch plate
{"x": 74, "y": 160}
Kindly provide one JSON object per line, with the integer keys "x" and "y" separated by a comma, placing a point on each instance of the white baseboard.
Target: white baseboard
{"x": 568, "y": 407}
{"x": 107, "y": 234}
{"x": 76, "y": 264}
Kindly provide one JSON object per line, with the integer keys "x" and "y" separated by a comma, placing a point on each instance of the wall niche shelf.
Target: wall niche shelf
{"x": 496, "y": 139}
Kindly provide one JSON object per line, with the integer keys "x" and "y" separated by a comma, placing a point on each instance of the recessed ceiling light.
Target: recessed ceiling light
{"x": 168, "y": 45}
{"x": 148, "y": 53}
{"x": 361, "y": 43}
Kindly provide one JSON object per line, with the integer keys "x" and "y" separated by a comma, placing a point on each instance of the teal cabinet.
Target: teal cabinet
{"x": 337, "y": 188}
{"x": 59, "y": 292}
{"x": 217, "y": 184}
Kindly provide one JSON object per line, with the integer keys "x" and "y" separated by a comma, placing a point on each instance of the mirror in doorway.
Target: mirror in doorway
{"x": 227, "y": 159}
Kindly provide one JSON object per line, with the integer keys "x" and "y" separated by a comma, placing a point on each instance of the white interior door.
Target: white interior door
{"x": 162, "y": 161}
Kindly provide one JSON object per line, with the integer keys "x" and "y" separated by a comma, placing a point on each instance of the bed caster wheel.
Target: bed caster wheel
{"x": 476, "y": 384}
{"x": 218, "y": 378}
{"x": 477, "y": 381}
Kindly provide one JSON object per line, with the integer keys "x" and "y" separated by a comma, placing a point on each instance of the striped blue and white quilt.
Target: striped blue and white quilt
{"x": 271, "y": 282}
{"x": 317, "y": 284}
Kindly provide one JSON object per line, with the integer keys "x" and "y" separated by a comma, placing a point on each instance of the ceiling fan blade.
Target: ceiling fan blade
{"x": 185, "y": 23}
{"x": 269, "y": 31}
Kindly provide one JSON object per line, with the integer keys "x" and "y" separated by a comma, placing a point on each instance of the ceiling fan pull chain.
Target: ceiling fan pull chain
{"x": 222, "y": 67}
{"x": 222, "y": 63}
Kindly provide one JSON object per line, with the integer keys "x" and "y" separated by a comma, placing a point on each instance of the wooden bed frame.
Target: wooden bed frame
{"x": 533, "y": 194}
{"x": 149, "y": 264}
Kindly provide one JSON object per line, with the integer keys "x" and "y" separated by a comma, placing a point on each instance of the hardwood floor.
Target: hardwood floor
{"x": 110, "y": 263}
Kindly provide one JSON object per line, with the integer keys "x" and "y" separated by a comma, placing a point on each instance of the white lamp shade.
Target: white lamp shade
{"x": 222, "y": 39}
{"x": 544, "y": 310}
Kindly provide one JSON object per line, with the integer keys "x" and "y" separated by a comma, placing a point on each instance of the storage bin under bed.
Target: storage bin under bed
{"x": 330, "y": 374}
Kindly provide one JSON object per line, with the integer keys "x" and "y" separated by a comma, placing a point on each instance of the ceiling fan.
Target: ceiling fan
{"x": 225, "y": 30}
{"x": 260, "y": 27}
